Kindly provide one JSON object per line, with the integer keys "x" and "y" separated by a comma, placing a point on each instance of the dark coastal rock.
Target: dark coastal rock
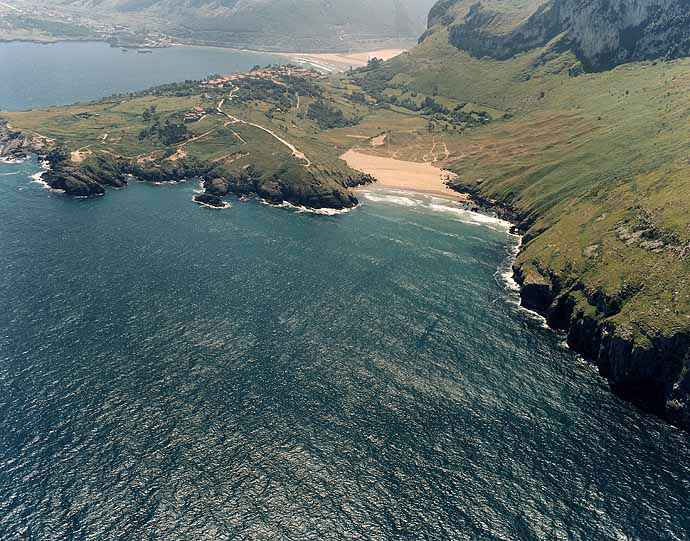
{"x": 359, "y": 180}
{"x": 651, "y": 371}
{"x": 84, "y": 179}
{"x": 14, "y": 145}
{"x": 304, "y": 190}
{"x": 168, "y": 171}
{"x": 73, "y": 182}
{"x": 210, "y": 200}
{"x": 501, "y": 209}
{"x": 537, "y": 291}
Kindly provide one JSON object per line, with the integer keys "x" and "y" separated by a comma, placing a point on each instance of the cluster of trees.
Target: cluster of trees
{"x": 264, "y": 90}
{"x": 303, "y": 86}
{"x": 181, "y": 89}
{"x": 328, "y": 116}
{"x": 168, "y": 133}
{"x": 148, "y": 113}
{"x": 405, "y": 103}
{"x": 431, "y": 107}
{"x": 374, "y": 79}
{"x": 358, "y": 97}
{"x": 474, "y": 118}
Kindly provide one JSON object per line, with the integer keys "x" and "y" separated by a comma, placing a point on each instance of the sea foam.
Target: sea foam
{"x": 302, "y": 209}
{"x": 13, "y": 160}
{"x": 505, "y": 277}
{"x": 436, "y": 204}
{"x": 38, "y": 177}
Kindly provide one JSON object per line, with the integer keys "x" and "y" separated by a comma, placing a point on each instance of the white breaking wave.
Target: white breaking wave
{"x": 471, "y": 217}
{"x": 505, "y": 271}
{"x": 506, "y": 277}
{"x": 226, "y": 205}
{"x": 38, "y": 177}
{"x": 301, "y": 209}
{"x": 394, "y": 199}
{"x": 437, "y": 204}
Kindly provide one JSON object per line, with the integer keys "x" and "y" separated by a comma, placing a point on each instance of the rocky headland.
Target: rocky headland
{"x": 315, "y": 188}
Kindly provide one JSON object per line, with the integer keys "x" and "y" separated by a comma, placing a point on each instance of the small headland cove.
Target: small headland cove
{"x": 169, "y": 371}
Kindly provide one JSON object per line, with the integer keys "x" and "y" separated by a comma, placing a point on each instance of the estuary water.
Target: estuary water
{"x": 37, "y": 75}
{"x": 169, "y": 371}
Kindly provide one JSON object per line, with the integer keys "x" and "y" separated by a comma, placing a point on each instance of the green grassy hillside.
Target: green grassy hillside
{"x": 595, "y": 168}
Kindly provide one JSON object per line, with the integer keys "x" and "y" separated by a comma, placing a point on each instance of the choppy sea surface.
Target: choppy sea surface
{"x": 169, "y": 371}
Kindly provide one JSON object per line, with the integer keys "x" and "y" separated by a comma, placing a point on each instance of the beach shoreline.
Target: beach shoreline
{"x": 419, "y": 177}
{"x": 338, "y": 62}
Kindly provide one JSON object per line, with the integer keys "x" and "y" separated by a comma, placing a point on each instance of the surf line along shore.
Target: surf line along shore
{"x": 422, "y": 177}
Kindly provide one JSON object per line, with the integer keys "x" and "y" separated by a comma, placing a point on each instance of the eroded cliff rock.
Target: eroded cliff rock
{"x": 310, "y": 191}
{"x": 601, "y": 33}
{"x": 652, "y": 371}
{"x": 14, "y": 145}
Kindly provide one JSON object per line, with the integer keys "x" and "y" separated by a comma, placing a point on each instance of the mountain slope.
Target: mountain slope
{"x": 602, "y": 33}
{"x": 587, "y": 151}
{"x": 306, "y": 25}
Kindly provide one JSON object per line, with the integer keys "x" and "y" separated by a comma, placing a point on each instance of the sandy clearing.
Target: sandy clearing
{"x": 343, "y": 61}
{"x": 80, "y": 155}
{"x": 403, "y": 175}
{"x": 379, "y": 141}
{"x": 179, "y": 154}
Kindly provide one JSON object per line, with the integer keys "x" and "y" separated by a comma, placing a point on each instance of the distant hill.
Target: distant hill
{"x": 273, "y": 24}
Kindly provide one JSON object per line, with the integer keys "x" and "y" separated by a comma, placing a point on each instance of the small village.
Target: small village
{"x": 269, "y": 72}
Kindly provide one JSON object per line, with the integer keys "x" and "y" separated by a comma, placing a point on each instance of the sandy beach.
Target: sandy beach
{"x": 401, "y": 175}
{"x": 342, "y": 61}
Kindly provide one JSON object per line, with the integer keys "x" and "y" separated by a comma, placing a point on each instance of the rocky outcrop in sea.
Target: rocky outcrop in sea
{"x": 310, "y": 192}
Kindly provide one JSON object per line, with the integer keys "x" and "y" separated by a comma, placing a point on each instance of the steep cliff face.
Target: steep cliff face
{"x": 602, "y": 33}
{"x": 651, "y": 371}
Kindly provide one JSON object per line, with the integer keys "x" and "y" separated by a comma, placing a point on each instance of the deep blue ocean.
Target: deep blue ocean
{"x": 174, "y": 372}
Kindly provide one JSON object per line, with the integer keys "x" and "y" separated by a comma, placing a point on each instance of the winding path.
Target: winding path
{"x": 295, "y": 152}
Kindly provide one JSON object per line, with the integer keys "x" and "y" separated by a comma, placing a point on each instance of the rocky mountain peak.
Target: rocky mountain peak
{"x": 602, "y": 33}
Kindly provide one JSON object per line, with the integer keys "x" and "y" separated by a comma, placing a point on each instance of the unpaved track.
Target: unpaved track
{"x": 295, "y": 152}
